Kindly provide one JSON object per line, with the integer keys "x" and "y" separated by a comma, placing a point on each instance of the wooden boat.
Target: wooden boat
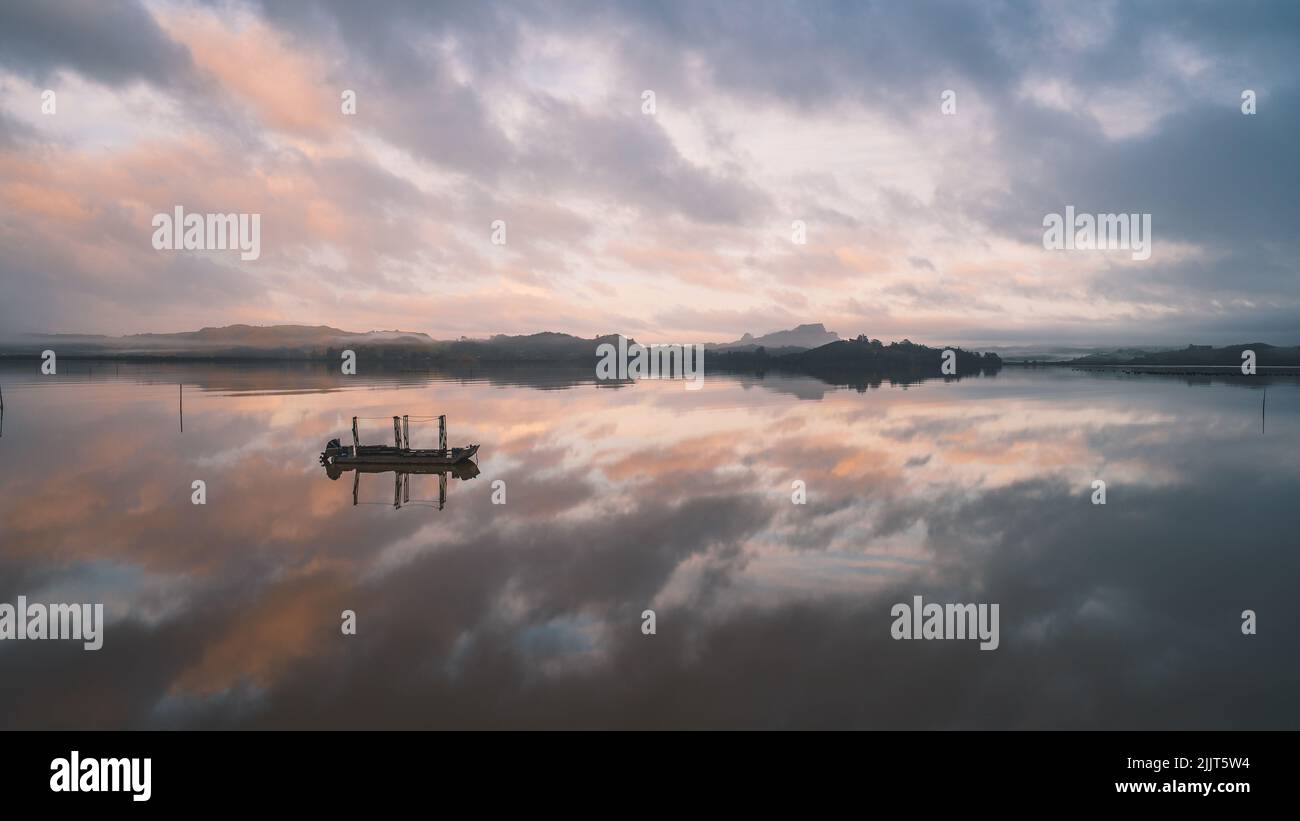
{"x": 398, "y": 456}
{"x": 460, "y": 470}
{"x": 393, "y": 458}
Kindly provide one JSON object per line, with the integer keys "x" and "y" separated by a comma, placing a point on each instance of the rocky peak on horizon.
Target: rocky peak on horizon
{"x": 809, "y": 335}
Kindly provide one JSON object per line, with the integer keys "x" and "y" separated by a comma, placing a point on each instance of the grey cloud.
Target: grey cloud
{"x": 111, "y": 43}
{"x": 628, "y": 158}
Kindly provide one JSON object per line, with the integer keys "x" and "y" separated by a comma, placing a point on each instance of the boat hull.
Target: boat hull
{"x": 392, "y": 457}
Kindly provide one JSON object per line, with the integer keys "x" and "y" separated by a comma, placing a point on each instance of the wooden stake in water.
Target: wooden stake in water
{"x": 180, "y": 395}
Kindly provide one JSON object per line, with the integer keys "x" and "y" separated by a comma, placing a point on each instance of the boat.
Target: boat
{"x": 399, "y": 456}
{"x": 391, "y": 458}
{"x": 462, "y": 468}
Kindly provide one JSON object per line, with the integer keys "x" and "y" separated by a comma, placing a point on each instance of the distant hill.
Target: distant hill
{"x": 321, "y": 341}
{"x": 1043, "y": 354}
{"x": 539, "y": 348}
{"x": 231, "y": 341}
{"x": 1228, "y": 356}
{"x": 835, "y": 360}
{"x": 314, "y": 342}
{"x": 802, "y": 337}
{"x": 284, "y": 336}
{"x": 861, "y": 360}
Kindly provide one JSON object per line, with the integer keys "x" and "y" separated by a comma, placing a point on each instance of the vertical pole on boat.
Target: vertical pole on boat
{"x": 442, "y": 432}
{"x": 356, "y": 440}
{"x": 406, "y": 431}
{"x": 397, "y": 431}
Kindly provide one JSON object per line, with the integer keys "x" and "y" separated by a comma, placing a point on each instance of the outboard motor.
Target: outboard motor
{"x": 332, "y": 449}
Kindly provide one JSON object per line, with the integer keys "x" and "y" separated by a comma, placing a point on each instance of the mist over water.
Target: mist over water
{"x": 647, "y": 496}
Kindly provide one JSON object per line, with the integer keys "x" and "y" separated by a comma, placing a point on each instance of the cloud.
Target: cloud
{"x": 931, "y": 224}
{"x": 115, "y": 43}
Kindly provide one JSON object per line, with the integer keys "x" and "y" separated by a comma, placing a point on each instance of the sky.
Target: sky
{"x": 673, "y": 222}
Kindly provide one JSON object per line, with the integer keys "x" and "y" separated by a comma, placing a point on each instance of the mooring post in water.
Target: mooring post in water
{"x": 180, "y": 398}
{"x": 442, "y": 432}
{"x": 397, "y": 431}
{"x": 356, "y": 440}
{"x": 356, "y": 485}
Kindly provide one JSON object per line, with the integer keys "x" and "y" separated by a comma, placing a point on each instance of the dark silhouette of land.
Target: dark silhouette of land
{"x": 808, "y": 349}
{"x": 321, "y": 342}
{"x": 861, "y": 362}
{"x": 1193, "y": 356}
{"x": 802, "y": 338}
{"x": 237, "y": 343}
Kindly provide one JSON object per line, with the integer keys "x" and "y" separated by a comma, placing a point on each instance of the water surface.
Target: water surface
{"x": 648, "y": 496}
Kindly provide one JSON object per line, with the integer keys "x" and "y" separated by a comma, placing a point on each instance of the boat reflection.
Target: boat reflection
{"x": 402, "y": 480}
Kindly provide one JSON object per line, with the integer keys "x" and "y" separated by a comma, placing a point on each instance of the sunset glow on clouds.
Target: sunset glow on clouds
{"x": 674, "y": 226}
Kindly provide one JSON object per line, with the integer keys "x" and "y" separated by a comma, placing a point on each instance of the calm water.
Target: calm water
{"x": 769, "y": 614}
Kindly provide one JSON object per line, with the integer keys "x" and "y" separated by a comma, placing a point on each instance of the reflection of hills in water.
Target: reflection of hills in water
{"x": 289, "y": 378}
{"x": 1191, "y": 375}
{"x": 807, "y": 380}
{"x": 862, "y": 363}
